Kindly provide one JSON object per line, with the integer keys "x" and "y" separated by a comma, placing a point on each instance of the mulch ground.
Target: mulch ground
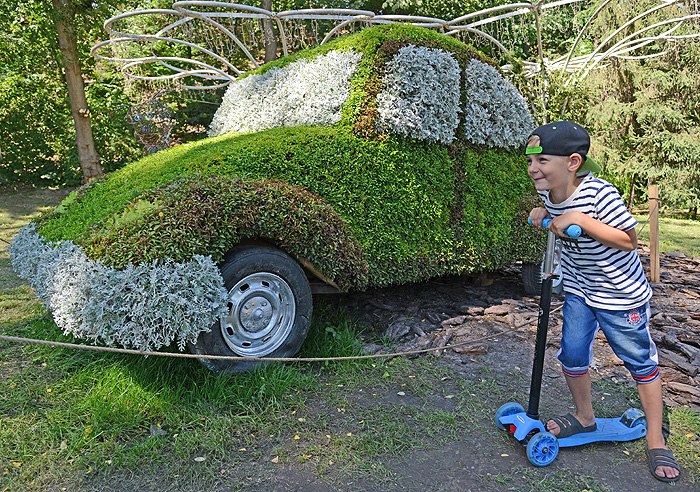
{"x": 458, "y": 311}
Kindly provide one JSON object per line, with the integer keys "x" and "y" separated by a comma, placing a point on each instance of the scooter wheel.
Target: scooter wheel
{"x": 634, "y": 417}
{"x": 507, "y": 409}
{"x": 542, "y": 448}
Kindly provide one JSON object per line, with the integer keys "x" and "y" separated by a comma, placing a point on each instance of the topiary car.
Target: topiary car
{"x": 388, "y": 156}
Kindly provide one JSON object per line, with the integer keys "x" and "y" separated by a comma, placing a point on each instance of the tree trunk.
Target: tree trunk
{"x": 630, "y": 204}
{"x": 88, "y": 157}
{"x": 269, "y": 34}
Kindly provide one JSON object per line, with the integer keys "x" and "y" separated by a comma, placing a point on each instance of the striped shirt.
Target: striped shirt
{"x": 605, "y": 277}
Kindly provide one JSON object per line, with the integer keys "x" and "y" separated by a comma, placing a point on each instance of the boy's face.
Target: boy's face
{"x": 549, "y": 172}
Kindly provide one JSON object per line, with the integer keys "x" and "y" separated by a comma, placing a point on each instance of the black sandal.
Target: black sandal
{"x": 569, "y": 426}
{"x": 662, "y": 457}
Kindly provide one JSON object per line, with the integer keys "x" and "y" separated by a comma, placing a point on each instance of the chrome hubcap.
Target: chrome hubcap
{"x": 261, "y": 315}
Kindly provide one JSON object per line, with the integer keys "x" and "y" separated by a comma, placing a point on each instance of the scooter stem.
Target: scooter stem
{"x": 542, "y": 325}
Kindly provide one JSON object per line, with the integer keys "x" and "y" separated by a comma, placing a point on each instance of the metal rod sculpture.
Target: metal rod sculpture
{"x": 214, "y": 70}
{"x": 152, "y": 121}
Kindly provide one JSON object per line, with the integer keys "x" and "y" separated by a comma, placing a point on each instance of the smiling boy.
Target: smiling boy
{"x": 604, "y": 283}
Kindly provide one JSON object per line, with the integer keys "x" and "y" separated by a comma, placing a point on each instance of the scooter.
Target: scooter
{"x": 541, "y": 446}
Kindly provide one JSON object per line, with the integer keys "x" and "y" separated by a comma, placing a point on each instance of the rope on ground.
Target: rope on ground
{"x": 266, "y": 359}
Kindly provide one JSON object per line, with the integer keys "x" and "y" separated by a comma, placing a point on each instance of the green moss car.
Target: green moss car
{"x": 385, "y": 157}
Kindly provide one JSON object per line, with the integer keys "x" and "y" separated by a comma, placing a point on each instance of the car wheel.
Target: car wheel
{"x": 269, "y": 310}
{"x": 532, "y": 278}
{"x": 533, "y": 274}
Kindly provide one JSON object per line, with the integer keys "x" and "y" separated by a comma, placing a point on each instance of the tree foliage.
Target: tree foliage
{"x": 648, "y": 123}
{"x": 642, "y": 113}
{"x": 37, "y": 135}
{"x": 646, "y": 117}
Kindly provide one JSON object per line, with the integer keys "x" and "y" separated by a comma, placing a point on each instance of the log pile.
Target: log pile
{"x": 675, "y": 326}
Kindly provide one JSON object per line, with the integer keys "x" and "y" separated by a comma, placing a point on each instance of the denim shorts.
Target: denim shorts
{"x": 627, "y": 332}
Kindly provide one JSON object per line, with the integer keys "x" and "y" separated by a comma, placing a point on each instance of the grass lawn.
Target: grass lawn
{"x": 674, "y": 234}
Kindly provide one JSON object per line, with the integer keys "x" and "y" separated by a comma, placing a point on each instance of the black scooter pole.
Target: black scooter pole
{"x": 540, "y": 345}
{"x": 542, "y": 325}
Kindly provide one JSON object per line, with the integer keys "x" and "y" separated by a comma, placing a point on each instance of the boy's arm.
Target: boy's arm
{"x": 601, "y": 232}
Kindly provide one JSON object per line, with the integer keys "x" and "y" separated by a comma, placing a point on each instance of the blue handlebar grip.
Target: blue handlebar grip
{"x": 571, "y": 231}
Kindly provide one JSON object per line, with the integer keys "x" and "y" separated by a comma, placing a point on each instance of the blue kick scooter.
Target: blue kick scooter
{"x": 542, "y": 447}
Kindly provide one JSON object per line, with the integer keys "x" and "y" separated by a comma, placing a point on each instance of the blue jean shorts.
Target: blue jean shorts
{"x": 627, "y": 332}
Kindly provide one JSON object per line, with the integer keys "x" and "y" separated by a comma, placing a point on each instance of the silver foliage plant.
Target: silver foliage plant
{"x": 420, "y": 96}
{"x": 495, "y": 113}
{"x": 145, "y": 306}
{"x": 305, "y": 92}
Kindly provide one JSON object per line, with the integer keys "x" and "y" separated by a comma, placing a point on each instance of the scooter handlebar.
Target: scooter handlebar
{"x": 571, "y": 231}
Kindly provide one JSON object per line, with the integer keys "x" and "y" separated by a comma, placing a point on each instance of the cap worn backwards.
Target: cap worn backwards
{"x": 564, "y": 138}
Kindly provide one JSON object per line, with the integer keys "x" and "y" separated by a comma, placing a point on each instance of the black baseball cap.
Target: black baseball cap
{"x": 564, "y": 138}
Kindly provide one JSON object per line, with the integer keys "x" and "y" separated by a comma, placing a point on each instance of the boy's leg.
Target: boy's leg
{"x": 629, "y": 337}
{"x": 580, "y": 388}
{"x": 578, "y": 332}
{"x": 652, "y": 403}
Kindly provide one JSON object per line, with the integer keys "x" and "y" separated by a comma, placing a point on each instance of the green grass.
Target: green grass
{"x": 83, "y": 411}
{"x": 685, "y": 440}
{"x": 674, "y": 234}
{"x": 67, "y": 415}
{"x": 530, "y": 480}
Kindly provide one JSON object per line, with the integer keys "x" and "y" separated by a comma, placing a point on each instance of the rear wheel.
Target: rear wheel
{"x": 532, "y": 278}
{"x": 505, "y": 410}
{"x": 269, "y": 310}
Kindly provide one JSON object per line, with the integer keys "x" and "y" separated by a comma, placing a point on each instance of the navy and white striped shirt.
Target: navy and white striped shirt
{"x": 605, "y": 277}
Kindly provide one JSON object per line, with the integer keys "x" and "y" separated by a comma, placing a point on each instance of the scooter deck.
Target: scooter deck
{"x": 608, "y": 430}
{"x": 630, "y": 426}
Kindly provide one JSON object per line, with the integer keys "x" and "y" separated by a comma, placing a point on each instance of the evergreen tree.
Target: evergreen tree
{"x": 646, "y": 122}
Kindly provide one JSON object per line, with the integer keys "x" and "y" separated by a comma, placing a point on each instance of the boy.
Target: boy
{"x": 603, "y": 279}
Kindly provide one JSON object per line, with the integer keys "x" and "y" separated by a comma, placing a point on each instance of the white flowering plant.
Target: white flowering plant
{"x": 305, "y": 92}
{"x": 145, "y": 306}
{"x": 421, "y": 95}
{"x": 495, "y": 113}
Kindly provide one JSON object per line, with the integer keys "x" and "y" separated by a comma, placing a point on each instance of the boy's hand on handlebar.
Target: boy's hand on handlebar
{"x": 559, "y": 224}
{"x": 537, "y": 215}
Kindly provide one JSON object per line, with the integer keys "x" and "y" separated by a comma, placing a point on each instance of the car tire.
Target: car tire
{"x": 269, "y": 310}
{"x": 532, "y": 278}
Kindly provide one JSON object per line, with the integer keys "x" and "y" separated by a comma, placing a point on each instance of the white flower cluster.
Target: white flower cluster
{"x": 420, "y": 96}
{"x": 495, "y": 113}
{"x": 146, "y": 306}
{"x": 305, "y": 92}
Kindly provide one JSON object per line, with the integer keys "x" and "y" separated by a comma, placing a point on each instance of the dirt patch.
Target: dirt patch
{"x": 18, "y": 207}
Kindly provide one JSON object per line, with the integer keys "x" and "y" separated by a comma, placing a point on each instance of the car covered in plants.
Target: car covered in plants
{"x": 388, "y": 156}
